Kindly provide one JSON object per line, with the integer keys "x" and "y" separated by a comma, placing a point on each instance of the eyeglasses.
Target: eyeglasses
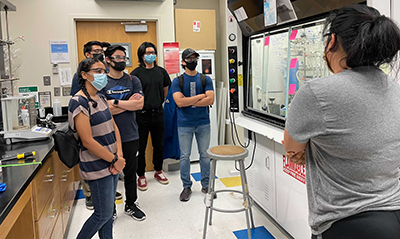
{"x": 190, "y": 60}
{"x": 150, "y": 53}
{"x": 97, "y": 51}
{"x": 99, "y": 70}
{"x": 120, "y": 58}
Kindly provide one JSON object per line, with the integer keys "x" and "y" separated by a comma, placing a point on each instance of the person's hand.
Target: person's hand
{"x": 136, "y": 96}
{"x": 113, "y": 170}
{"x": 201, "y": 96}
{"x": 297, "y": 158}
{"x": 120, "y": 164}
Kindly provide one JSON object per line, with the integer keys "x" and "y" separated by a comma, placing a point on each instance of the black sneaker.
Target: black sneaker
{"x": 185, "y": 195}
{"x": 89, "y": 203}
{"x": 118, "y": 195}
{"x": 205, "y": 190}
{"x": 135, "y": 212}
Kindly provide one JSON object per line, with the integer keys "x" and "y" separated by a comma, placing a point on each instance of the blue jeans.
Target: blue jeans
{"x": 103, "y": 196}
{"x": 202, "y": 133}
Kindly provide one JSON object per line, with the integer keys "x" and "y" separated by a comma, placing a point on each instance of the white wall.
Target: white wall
{"x": 42, "y": 20}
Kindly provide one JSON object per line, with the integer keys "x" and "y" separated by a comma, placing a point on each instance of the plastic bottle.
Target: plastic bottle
{"x": 25, "y": 117}
{"x": 57, "y": 108}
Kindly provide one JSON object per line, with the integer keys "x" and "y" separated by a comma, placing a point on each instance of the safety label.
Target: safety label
{"x": 294, "y": 170}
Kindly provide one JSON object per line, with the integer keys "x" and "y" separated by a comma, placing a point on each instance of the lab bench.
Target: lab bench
{"x": 39, "y": 197}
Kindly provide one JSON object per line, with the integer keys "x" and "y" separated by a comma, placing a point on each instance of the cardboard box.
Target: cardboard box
{"x": 195, "y": 29}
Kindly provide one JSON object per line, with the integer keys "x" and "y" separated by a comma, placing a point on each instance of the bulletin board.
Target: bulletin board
{"x": 195, "y": 29}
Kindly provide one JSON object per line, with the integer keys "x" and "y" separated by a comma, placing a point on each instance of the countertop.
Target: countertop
{"x": 17, "y": 178}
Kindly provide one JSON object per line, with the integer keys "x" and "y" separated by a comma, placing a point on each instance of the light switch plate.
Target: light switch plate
{"x": 57, "y": 91}
{"x": 66, "y": 90}
{"x": 46, "y": 80}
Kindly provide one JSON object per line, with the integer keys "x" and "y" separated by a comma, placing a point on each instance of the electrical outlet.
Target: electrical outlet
{"x": 66, "y": 90}
{"x": 57, "y": 91}
{"x": 46, "y": 80}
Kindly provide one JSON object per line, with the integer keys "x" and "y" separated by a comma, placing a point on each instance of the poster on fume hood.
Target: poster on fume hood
{"x": 270, "y": 17}
{"x": 59, "y": 52}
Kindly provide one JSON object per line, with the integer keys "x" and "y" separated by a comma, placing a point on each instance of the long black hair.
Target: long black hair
{"x": 142, "y": 50}
{"x": 85, "y": 66}
{"x": 368, "y": 38}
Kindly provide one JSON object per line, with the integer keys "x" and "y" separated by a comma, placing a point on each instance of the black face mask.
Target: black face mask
{"x": 119, "y": 66}
{"x": 192, "y": 65}
{"x": 98, "y": 56}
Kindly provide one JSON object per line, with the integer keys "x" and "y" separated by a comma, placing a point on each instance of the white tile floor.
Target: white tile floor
{"x": 169, "y": 218}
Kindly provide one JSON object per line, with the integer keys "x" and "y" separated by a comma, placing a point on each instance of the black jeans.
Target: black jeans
{"x": 365, "y": 225}
{"x": 130, "y": 150}
{"x": 150, "y": 121}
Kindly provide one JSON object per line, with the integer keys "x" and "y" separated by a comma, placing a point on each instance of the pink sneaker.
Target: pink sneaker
{"x": 161, "y": 177}
{"x": 142, "y": 183}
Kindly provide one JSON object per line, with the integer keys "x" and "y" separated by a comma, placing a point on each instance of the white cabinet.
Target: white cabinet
{"x": 261, "y": 177}
{"x": 291, "y": 196}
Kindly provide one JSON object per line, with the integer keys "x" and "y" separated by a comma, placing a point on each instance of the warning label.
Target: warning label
{"x": 296, "y": 171}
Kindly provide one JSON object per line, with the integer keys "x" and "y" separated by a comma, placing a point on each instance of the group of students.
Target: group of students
{"x": 113, "y": 113}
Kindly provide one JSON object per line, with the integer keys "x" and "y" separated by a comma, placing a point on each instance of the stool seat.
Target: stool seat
{"x": 227, "y": 152}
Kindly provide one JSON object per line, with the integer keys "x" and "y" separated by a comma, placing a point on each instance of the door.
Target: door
{"x": 114, "y": 32}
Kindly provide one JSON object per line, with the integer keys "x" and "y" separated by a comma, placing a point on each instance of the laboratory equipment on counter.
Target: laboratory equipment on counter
{"x": 19, "y": 120}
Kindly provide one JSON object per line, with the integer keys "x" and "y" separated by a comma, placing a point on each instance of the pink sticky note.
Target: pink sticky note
{"x": 292, "y": 89}
{"x": 293, "y": 35}
{"x": 293, "y": 63}
{"x": 266, "y": 41}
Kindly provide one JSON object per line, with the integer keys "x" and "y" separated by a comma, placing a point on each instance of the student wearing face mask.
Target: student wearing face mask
{"x": 155, "y": 82}
{"x": 101, "y": 157}
{"x": 193, "y": 119}
{"x": 125, "y": 97}
{"x": 92, "y": 49}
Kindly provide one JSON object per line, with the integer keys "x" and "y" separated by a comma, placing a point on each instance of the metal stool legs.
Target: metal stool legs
{"x": 209, "y": 199}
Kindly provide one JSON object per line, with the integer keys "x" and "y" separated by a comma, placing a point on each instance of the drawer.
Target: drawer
{"x": 42, "y": 187}
{"x": 46, "y": 222}
{"x": 58, "y": 232}
{"x": 66, "y": 178}
{"x": 66, "y": 204}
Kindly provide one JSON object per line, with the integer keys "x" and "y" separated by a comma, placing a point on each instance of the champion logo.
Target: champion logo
{"x": 111, "y": 92}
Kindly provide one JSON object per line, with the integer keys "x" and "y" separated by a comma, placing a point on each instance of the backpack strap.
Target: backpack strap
{"x": 180, "y": 78}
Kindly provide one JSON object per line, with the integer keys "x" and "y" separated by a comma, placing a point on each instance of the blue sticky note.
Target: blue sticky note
{"x": 256, "y": 233}
{"x": 197, "y": 176}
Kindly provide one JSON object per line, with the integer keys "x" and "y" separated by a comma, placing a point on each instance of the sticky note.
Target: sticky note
{"x": 293, "y": 35}
{"x": 266, "y": 41}
{"x": 293, "y": 63}
{"x": 292, "y": 89}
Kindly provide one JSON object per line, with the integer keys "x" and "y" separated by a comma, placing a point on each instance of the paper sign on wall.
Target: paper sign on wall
{"x": 30, "y": 90}
{"x": 65, "y": 76}
{"x": 171, "y": 57}
{"x": 59, "y": 52}
{"x": 196, "y": 26}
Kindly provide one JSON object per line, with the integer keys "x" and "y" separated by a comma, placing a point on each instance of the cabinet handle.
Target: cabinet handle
{"x": 55, "y": 213}
{"x": 67, "y": 171}
{"x": 52, "y": 178}
{"x": 267, "y": 162}
{"x": 65, "y": 178}
{"x": 68, "y": 208}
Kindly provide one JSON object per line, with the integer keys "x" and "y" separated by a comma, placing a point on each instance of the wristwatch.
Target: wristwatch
{"x": 115, "y": 159}
{"x": 116, "y": 101}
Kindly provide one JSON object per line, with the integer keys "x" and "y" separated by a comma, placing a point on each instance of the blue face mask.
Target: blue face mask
{"x": 100, "y": 81}
{"x": 150, "y": 58}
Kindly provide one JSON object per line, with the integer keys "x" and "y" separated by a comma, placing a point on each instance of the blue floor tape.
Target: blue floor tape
{"x": 256, "y": 233}
{"x": 79, "y": 194}
{"x": 197, "y": 176}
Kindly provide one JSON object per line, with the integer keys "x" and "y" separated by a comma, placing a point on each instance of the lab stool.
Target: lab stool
{"x": 231, "y": 153}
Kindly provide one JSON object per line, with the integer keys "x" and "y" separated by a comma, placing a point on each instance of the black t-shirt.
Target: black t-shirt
{"x": 153, "y": 82}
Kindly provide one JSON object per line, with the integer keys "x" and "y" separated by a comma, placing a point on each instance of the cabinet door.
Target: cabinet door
{"x": 292, "y": 208}
{"x": 66, "y": 205}
{"x": 43, "y": 185}
{"x": 261, "y": 177}
{"x": 46, "y": 222}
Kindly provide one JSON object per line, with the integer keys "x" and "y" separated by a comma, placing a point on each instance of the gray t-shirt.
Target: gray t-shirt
{"x": 351, "y": 122}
